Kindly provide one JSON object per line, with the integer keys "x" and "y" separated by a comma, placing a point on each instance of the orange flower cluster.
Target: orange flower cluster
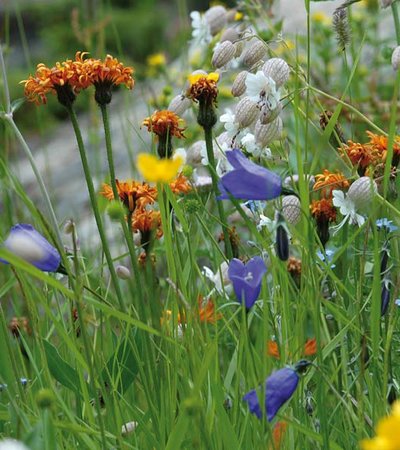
{"x": 207, "y": 311}
{"x": 180, "y": 185}
{"x": 146, "y": 221}
{"x": 328, "y": 181}
{"x": 132, "y": 194}
{"x": 68, "y": 78}
{"x": 164, "y": 123}
{"x": 323, "y": 210}
{"x": 310, "y": 348}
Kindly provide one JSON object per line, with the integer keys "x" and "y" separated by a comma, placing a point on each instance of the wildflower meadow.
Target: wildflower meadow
{"x": 199, "y": 234}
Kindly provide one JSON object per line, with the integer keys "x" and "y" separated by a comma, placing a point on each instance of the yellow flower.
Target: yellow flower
{"x": 238, "y": 16}
{"x": 321, "y": 17}
{"x": 156, "y": 60}
{"x": 158, "y": 170}
{"x": 387, "y": 432}
{"x": 194, "y": 78}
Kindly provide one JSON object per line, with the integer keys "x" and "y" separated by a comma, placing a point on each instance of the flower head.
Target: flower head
{"x": 132, "y": 193}
{"x": 262, "y": 89}
{"x": 248, "y": 181}
{"x": 328, "y": 181}
{"x": 203, "y": 87}
{"x": 362, "y": 155}
{"x": 147, "y": 221}
{"x": 27, "y": 243}
{"x": 158, "y": 170}
{"x": 246, "y": 279}
{"x": 207, "y": 311}
{"x": 323, "y": 210}
{"x": 279, "y": 387}
{"x": 164, "y": 123}
{"x": 180, "y": 185}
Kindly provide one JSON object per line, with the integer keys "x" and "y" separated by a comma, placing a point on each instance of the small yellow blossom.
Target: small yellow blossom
{"x": 158, "y": 170}
{"x": 322, "y": 18}
{"x": 194, "y": 78}
{"x": 156, "y": 60}
{"x": 238, "y": 16}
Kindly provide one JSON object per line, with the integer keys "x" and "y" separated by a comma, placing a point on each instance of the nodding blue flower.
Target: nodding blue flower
{"x": 246, "y": 279}
{"x": 247, "y": 180}
{"x": 27, "y": 243}
{"x": 386, "y": 224}
{"x": 279, "y": 387}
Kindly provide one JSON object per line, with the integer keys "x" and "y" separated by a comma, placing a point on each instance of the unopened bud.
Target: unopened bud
{"x": 128, "y": 428}
{"x": 246, "y": 112}
{"x": 179, "y": 104}
{"x": 45, "y": 398}
{"x": 291, "y": 209}
{"x": 239, "y": 85}
{"x": 123, "y": 272}
{"x": 362, "y": 191}
{"x": 265, "y": 134}
{"x": 396, "y": 58}
{"x": 254, "y": 53}
{"x": 223, "y": 54}
{"x": 216, "y": 18}
{"x": 278, "y": 70}
{"x": 269, "y": 115}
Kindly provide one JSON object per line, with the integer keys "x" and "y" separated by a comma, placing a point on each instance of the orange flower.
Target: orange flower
{"x": 180, "y": 185}
{"x": 323, "y": 210}
{"x": 109, "y": 72}
{"x": 164, "y": 123}
{"x": 273, "y": 349}
{"x": 294, "y": 266}
{"x": 329, "y": 181}
{"x": 146, "y": 221}
{"x": 310, "y": 347}
{"x": 278, "y": 434}
{"x": 207, "y": 311}
{"x": 203, "y": 87}
{"x": 166, "y": 318}
{"x": 380, "y": 143}
{"x": 362, "y": 155}
{"x": 132, "y": 193}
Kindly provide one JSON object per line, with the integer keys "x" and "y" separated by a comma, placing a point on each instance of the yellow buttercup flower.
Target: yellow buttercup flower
{"x": 156, "y": 60}
{"x": 322, "y": 18}
{"x": 158, "y": 170}
{"x": 387, "y": 432}
{"x": 194, "y": 78}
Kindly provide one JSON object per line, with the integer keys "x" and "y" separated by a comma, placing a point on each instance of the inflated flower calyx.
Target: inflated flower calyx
{"x": 278, "y": 70}
{"x": 362, "y": 191}
{"x": 216, "y": 18}
{"x": 223, "y": 54}
{"x": 265, "y": 134}
{"x": 179, "y": 104}
{"x": 239, "y": 85}
{"x": 246, "y": 112}
{"x": 254, "y": 53}
{"x": 396, "y": 58}
{"x": 123, "y": 272}
{"x": 268, "y": 115}
{"x": 230, "y": 34}
{"x": 291, "y": 209}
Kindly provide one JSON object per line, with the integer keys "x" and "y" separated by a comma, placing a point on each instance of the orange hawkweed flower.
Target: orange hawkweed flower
{"x": 147, "y": 221}
{"x": 207, "y": 311}
{"x": 132, "y": 193}
{"x": 180, "y": 185}
{"x": 310, "y": 347}
{"x": 278, "y": 434}
{"x": 273, "y": 349}
{"x": 164, "y": 123}
{"x": 323, "y": 210}
{"x": 362, "y": 155}
{"x": 328, "y": 181}
{"x": 203, "y": 87}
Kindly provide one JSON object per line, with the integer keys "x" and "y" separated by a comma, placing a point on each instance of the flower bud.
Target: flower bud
{"x": 362, "y": 191}
{"x": 45, "y": 398}
{"x": 291, "y": 209}
{"x": 128, "y": 428}
{"x": 269, "y": 115}
{"x": 254, "y": 53}
{"x": 69, "y": 226}
{"x": 230, "y": 34}
{"x": 265, "y": 134}
{"x": 246, "y": 112}
{"x": 179, "y": 104}
{"x": 123, "y": 272}
{"x": 216, "y": 18}
{"x": 396, "y": 58}
{"x": 278, "y": 70}
{"x": 239, "y": 85}
{"x": 193, "y": 155}
{"x": 223, "y": 54}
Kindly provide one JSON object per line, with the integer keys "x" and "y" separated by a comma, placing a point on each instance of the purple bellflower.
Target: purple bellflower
{"x": 27, "y": 243}
{"x": 247, "y": 180}
{"x": 246, "y": 279}
{"x": 279, "y": 387}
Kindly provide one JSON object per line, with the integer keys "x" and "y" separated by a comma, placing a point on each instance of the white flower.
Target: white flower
{"x": 222, "y": 164}
{"x": 262, "y": 89}
{"x": 220, "y": 279}
{"x": 249, "y": 142}
{"x": 228, "y": 119}
{"x": 201, "y": 181}
{"x": 128, "y": 428}
{"x": 180, "y": 153}
{"x": 266, "y": 222}
{"x": 201, "y": 33}
{"x": 347, "y": 208}
{"x": 12, "y": 444}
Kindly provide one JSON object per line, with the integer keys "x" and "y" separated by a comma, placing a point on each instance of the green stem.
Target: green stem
{"x": 93, "y": 200}
{"x": 126, "y": 228}
{"x": 221, "y": 212}
{"x": 395, "y": 12}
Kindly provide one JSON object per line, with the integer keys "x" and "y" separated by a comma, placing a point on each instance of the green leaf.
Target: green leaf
{"x": 60, "y": 369}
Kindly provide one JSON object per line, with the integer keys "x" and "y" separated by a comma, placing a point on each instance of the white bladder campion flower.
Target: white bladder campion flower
{"x": 11, "y": 444}
{"x": 201, "y": 33}
{"x": 262, "y": 90}
{"x": 220, "y": 278}
{"x": 248, "y": 141}
{"x": 229, "y": 121}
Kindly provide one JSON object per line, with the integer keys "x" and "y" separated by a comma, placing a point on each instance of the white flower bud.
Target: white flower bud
{"x": 216, "y": 18}
{"x": 254, "y": 53}
{"x": 278, "y": 70}
{"x": 239, "y": 85}
{"x": 230, "y": 34}
{"x": 269, "y": 115}
{"x": 246, "y": 112}
{"x": 179, "y": 104}
{"x": 291, "y": 209}
{"x": 396, "y": 58}
{"x": 123, "y": 272}
{"x": 223, "y": 54}
{"x": 129, "y": 428}
{"x": 265, "y": 134}
{"x": 361, "y": 192}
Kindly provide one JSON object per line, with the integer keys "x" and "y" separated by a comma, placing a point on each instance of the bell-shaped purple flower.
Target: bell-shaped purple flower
{"x": 279, "y": 387}
{"x": 246, "y": 279}
{"x": 248, "y": 181}
{"x": 27, "y": 243}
